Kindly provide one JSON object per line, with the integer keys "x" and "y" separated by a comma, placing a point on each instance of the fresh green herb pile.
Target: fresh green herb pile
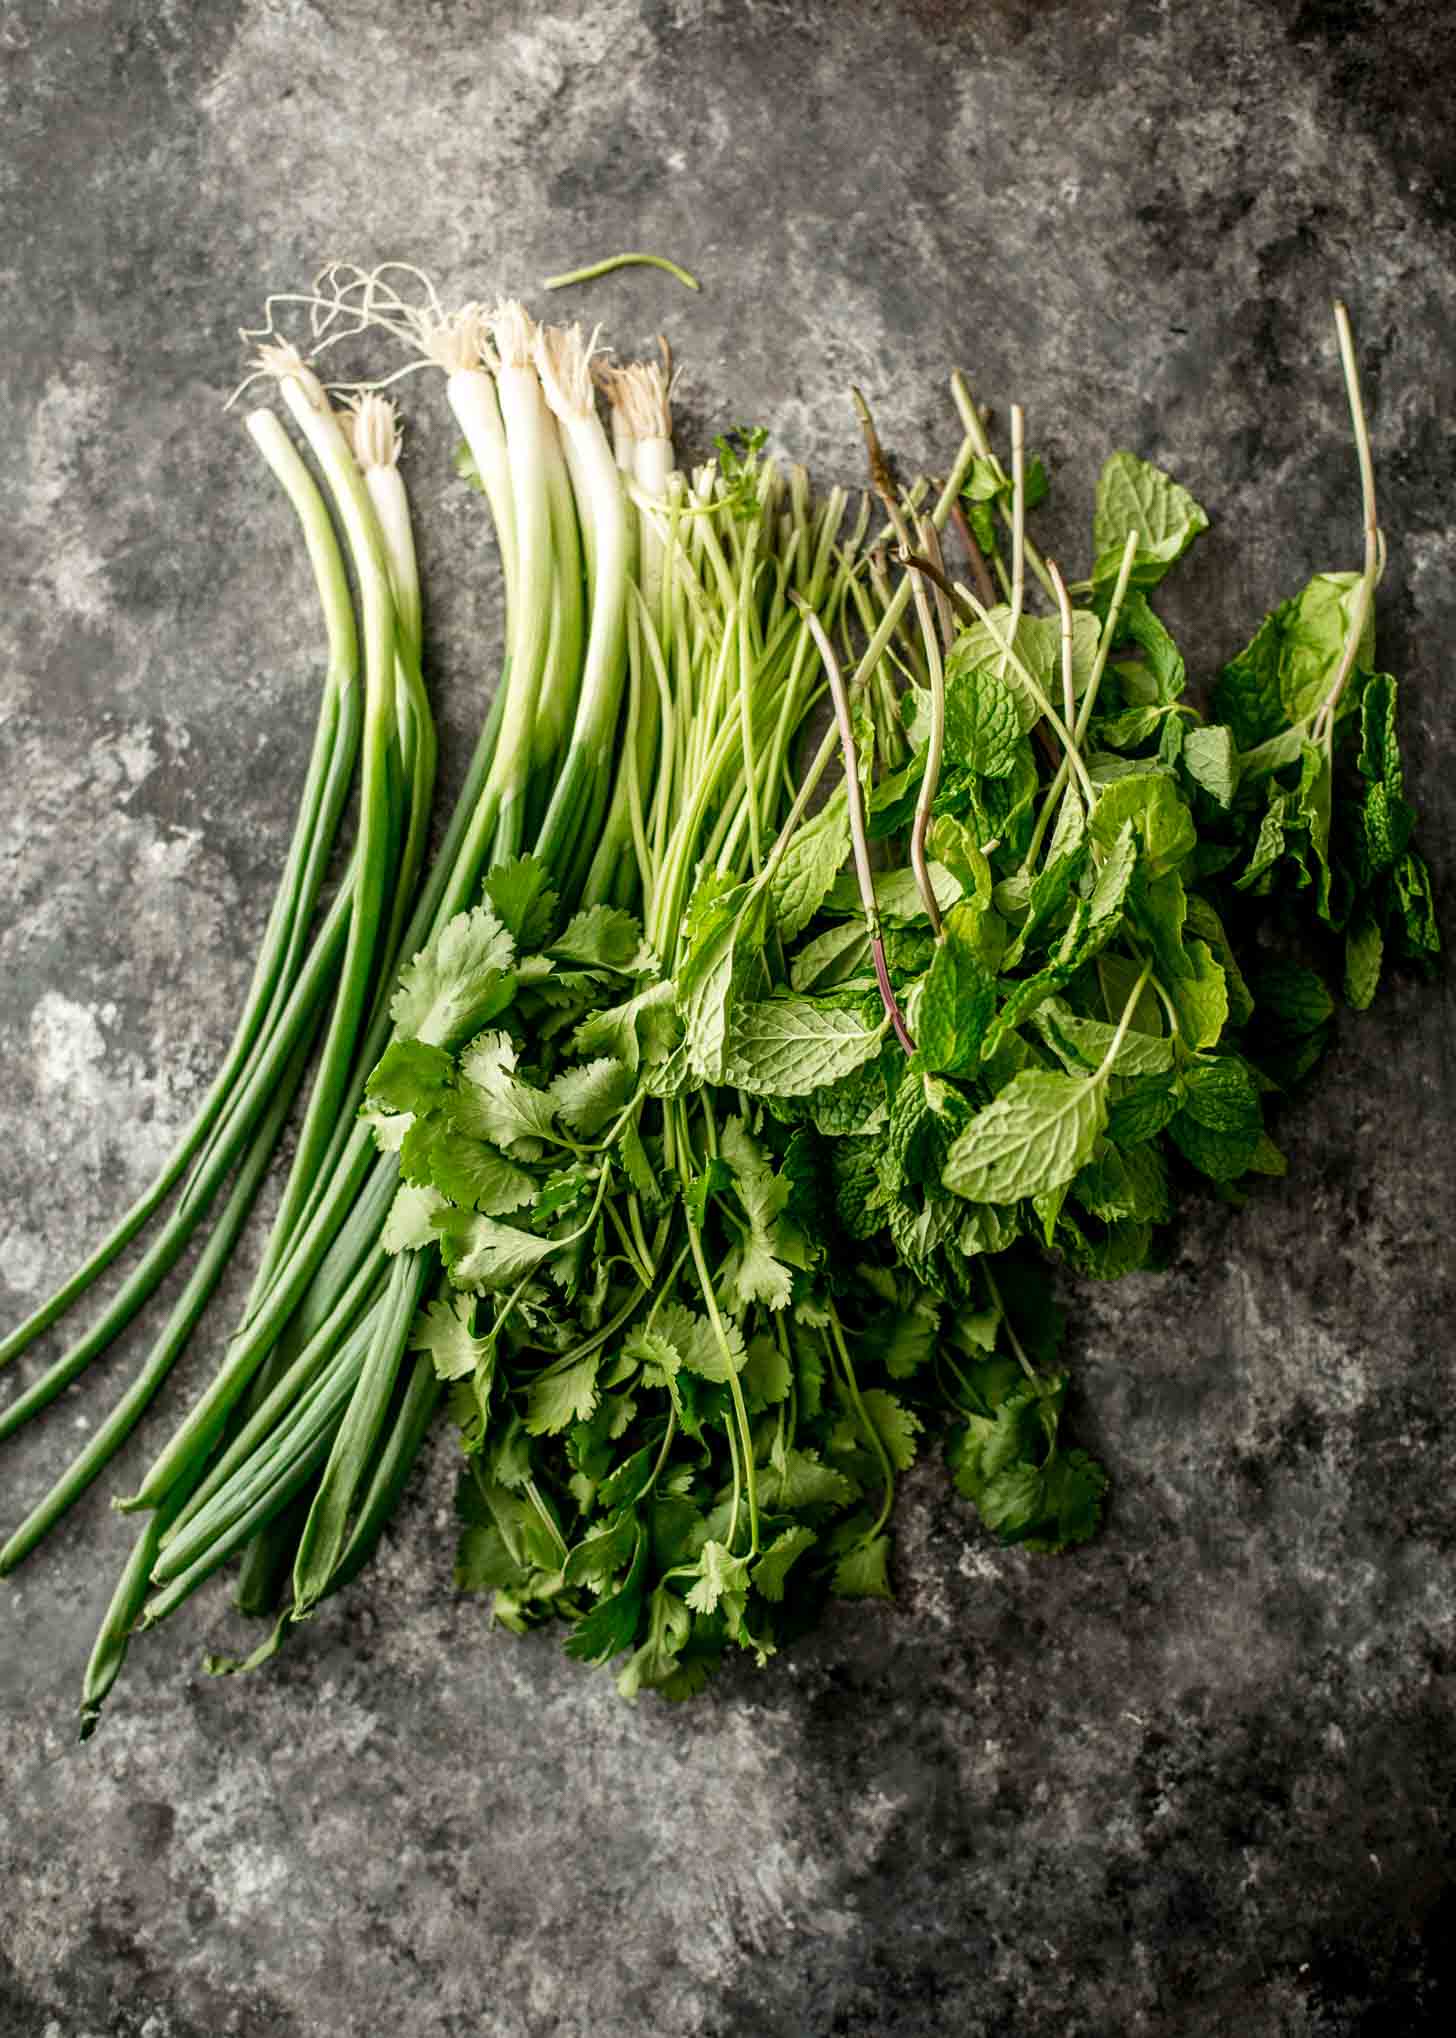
{"x": 709, "y": 1151}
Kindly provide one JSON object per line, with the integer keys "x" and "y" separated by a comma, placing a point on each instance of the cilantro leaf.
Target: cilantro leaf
{"x": 481, "y": 1253}
{"x": 612, "y": 1624}
{"x": 446, "y": 1330}
{"x": 410, "y": 1224}
{"x": 603, "y": 937}
{"x": 864, "y": 1572}
{"x": 458, "y": 983}
{"x": 520, "y": 893}
{"x": 558, "y": 1398}
{"x": 410, "y": 1076}
{"x": 720, "y": 1576}
{"x": 770, "y": 1573}
{"x": 590, "y": 1095}
{"x": 758, "y": 1269}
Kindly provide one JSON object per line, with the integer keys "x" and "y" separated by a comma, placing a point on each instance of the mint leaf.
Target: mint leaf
{"x": 727, "y": 926}
{"x": 1155, "y": 808}
{"x": 1159, "y": 679}
{"x": 897, "y": 894}
{"x": 1313, "y": 631}
{"x": 841, "y": 951}
{"x": 957, "y": 999}
{"x": 1211, "y": 761}
{"x": 1090, "y": 1040}
{"x": 1200, "y": 995}
{"x": 1417, "y": 907}
{"x": 1246, "y": 693}
{"x": 1293, "y": 996}
{"x": 1031, "y": 1138}
{"x": 786, "y": 1047}
{"x": 810, "y": 863}
{"x": 982, "y": 720}
{"x": 1364, "y": 948}
{"x": 1133, "y": 495}
{"x": 1269, "y": 845}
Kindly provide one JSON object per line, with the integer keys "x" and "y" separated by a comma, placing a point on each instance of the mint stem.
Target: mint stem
{"x": 858, "y": 833}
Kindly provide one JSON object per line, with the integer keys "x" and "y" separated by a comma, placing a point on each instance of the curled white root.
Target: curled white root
{"x": 639, "y": 393}
{"x": 371, "y": 425}
{"x": 513, "y": 330}
{"x": 281, "y": 360}
{"x": 563, "y": 362}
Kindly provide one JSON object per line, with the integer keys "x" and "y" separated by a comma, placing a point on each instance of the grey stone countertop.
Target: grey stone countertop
{"x": 1196, "y": 1780}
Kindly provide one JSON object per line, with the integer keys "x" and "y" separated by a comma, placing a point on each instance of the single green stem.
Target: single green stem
{"x": 981, "y": 448}
{"x": 1322, "y": 730}
{"x": 1104, "y": 1069}
{"x": 1017, "y": 1348}
{"x": 859, "y": 838}
{"x": 735, "y": 1389}
{"x": 611, "y": 262}
{"x": 321, "y": 1545}
{"x": 108, "y": 1651}
{"x": 876, "y": 1441}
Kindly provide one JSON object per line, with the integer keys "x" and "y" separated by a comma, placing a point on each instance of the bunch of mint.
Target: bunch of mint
{"x": 722, "y": 1254}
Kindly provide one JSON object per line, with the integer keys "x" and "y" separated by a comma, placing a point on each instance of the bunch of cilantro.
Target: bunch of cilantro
{"x": 740, "y": 1208}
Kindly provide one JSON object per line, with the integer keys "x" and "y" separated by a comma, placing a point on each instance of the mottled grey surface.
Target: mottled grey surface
{"x": 1197, "y": 1780}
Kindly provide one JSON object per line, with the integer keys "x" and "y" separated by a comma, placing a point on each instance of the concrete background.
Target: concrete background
{"x": 1195, "y": 1781}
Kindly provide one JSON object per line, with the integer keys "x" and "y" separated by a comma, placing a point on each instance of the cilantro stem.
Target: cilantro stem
{"x": 873, "y": 652}
{"x": 840, "y": 1350}
{"x": 1018, "y": 1350}
{"x": 740, "y": 1411}
{"x": 629, "y": 1246}
{"x": 547, "y": 1519}
{"x": 667, "y": 1436}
